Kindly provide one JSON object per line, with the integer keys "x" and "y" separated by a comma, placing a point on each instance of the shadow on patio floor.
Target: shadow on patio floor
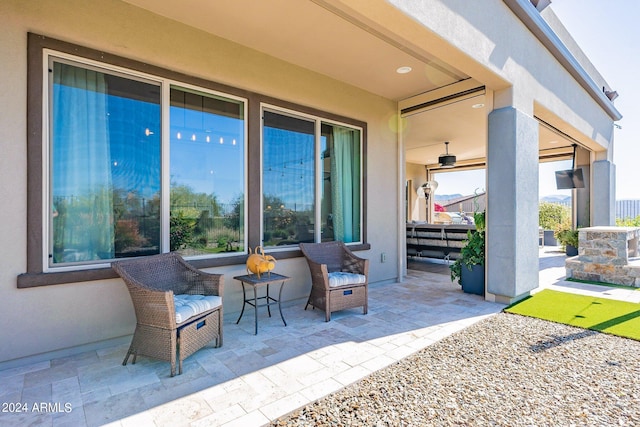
{"x": 252, "y": 379}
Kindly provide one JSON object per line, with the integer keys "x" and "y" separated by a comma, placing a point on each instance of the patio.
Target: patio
{"x": 162, "y": 71}
{"x": 253, "y": 379}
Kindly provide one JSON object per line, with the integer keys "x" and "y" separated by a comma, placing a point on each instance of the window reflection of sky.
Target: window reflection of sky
{"x": 134, "y": 136}
{"x": 134, "y": 156}
{"x": 208, "y": 155}
{"x": 289, "y": 168}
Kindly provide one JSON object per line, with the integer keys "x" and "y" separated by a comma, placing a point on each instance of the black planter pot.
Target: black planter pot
{"x": 472, "y": 281}
{"x": 571, "y": 250}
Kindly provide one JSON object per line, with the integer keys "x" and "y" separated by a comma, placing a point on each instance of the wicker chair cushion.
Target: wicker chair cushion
{"x": 340, "y": 278}
{"x": 189, "y": 305}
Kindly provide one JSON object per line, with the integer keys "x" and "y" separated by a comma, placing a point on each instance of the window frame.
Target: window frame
{"x": 49, "y": 56}
{"x": 165, "y": 85}
{"x": 318, "y": 119}
{"x": 166, "y": 184}
{"x": 35, "y": 274}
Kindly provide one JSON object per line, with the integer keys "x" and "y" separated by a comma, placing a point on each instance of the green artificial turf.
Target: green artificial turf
{"x": 599, "y": 314}
{"x": 611, "y": 285}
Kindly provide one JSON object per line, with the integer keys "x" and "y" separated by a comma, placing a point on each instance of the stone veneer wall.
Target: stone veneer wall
{"x": 604, "y": 255}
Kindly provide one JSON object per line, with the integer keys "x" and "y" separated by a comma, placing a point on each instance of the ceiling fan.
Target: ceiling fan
{"x": 447, "y": 160}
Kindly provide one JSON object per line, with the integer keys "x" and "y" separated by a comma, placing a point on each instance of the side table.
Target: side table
{"x": 255, "y": 282}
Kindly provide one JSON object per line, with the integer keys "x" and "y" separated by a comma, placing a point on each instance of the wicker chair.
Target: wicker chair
{"x": 161, "y": 332}
{"x": 339, "y": 279}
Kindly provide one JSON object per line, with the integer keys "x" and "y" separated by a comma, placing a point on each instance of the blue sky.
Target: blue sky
{"x": 609, "y": 34}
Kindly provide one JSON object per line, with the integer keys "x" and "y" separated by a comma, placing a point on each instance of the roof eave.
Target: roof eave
{"x": 531, "y": 18}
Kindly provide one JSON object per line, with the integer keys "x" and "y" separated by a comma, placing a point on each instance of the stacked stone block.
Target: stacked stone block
{"x": 606, "y": 254}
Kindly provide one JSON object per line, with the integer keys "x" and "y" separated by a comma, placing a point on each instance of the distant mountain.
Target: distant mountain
{"x": 444, "y": 197}
{"x": 553, "y": 198}
{"x": 557, "y": 198}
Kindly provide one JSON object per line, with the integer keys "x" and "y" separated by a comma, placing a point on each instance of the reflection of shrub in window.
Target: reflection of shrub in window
{"x": 127, "y": 235}
{"x": 182, "y": 228}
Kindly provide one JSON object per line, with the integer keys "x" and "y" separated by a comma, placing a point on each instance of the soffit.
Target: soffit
{"x": 317, "y": 37}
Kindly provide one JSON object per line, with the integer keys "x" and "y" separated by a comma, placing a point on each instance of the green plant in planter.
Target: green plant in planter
{"x": 565, "y": 234}
{"x": 568, "y": 237}
{"x": 474, "y": 250}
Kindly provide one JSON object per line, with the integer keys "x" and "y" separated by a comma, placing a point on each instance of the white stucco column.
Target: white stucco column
{"x": 512, "y": 210}
{"x": 603, "y": 197}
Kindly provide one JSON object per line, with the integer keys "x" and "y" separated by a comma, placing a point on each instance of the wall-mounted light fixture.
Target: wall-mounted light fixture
{"x": 427, "y": 189}
{"x": 611, "y": 94}
{"x": 540, "y": 5}
{"x": 447, "y": 160}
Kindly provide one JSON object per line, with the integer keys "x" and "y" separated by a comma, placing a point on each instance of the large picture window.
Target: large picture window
{"x": 312, "y": 180}
{"x": 127, "y": 159}
{"x": 106, "y": 172}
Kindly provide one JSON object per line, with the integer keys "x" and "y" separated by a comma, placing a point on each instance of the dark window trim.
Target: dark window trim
{"x": 35, "y": 276}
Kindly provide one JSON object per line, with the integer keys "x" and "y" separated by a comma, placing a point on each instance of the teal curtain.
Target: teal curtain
{"x": 345, "y": 184}
{"x": 82, "y": 214}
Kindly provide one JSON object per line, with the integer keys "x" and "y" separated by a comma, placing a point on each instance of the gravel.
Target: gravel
{"x": 507, "y": 370}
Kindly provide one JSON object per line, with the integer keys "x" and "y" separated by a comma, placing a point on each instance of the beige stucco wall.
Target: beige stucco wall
{"x": 417, "y": 175}
{"x": 51, "y": 318}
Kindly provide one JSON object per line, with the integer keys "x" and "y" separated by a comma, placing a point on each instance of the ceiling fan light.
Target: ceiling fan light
{"x": 447, "y": 160}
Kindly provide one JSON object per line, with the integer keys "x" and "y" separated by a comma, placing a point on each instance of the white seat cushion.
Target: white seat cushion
{"x": 339, "y": 278}
{"x": 189, "y": 305}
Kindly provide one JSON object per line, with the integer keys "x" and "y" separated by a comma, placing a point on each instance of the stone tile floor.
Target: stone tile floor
{"x": 253, "y": 379}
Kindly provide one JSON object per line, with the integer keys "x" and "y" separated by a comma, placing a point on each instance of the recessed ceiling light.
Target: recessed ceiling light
{"x": 553, "y": 142}
{"x": 403, "y": 70}
{"x": 477, "y": 105}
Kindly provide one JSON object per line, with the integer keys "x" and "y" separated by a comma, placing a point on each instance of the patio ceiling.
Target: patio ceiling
{"x": 317, "y": 36}
{"x": 463, "y": 122}
{"x": 344, "y": 45}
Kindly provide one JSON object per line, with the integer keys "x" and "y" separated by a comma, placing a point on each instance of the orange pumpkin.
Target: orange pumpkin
{"x": 259, "y": 263}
